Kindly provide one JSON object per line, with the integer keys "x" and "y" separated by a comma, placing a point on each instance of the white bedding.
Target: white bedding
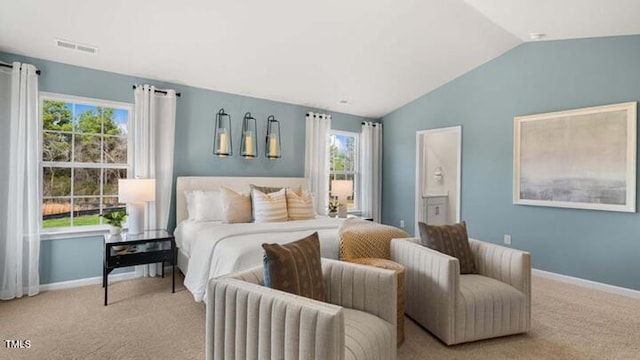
{"x": 216, "y": 249}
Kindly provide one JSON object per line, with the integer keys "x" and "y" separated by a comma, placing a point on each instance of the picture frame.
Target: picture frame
{"x": 581, "y": 159}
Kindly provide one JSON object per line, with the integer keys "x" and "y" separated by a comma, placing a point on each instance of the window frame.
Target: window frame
{"x": 357, "y": 209}
{"x": 67, "y": 232}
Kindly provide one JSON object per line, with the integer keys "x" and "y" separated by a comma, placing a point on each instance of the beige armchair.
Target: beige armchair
{"x": 460, "y": 308}
{"x": 246, "y": 320}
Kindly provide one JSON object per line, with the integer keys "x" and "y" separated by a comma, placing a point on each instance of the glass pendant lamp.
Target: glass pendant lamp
{"x": 273, "y": 150}
{"x": 222, "y": 137}
{"x": 248, "y": 146}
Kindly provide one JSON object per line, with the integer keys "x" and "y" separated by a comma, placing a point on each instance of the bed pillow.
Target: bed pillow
{"x": 300, "y": 206}
{"x": 204, "y": 205}
{"x": 236, "y": 208}
{"x": 295, "y": 267}
{"x": 272, "y": 189}
{"x": 451, "y": 240}
{"x": 269, "y": 207}
{"x": 265, "y": 189}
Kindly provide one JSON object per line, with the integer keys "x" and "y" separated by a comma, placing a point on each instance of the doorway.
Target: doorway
{"x": 438, "y": 167}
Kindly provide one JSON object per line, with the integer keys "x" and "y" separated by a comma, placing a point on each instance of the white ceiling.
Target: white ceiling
{"x": 376, "y": 54}
{"x": 563, "y": 19}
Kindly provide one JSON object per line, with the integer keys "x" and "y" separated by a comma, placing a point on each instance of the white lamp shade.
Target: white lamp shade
{"x": 136, "y": 190}
{"x": 341, "y": 188}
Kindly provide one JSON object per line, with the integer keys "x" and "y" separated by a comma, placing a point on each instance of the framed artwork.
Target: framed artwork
{"x": 583, "y": 158}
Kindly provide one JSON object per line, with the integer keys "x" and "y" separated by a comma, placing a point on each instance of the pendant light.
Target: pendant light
{"x": 222, "y": 137}
{"x": 273, "y": 150}
{"x": 248, "y": 146}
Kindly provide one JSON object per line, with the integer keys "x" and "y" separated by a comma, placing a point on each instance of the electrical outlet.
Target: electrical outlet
{"x": 507, "y": 239}
{"x": 402, "y": 224}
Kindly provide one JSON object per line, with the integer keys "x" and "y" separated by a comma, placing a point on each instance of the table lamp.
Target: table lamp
{"x": 135, "y": 193}
{"x": 342, "y": 189}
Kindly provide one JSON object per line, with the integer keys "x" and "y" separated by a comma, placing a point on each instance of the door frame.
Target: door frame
{"x": 419, "y": 160}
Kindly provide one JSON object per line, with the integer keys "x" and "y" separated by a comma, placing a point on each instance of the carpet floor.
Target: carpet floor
{"x": 144, "y": 320}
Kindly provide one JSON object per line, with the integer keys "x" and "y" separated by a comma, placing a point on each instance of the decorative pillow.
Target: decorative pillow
{"x": 236, "y": 208}
{"x": 297, "y": 190}
{"x": 204, "y": 205}
{"x": 265, "y": 189}
{"x": 272, "y": 189}
{"x": 451, "y": 240}
{"x": 269, "y": 207}
{"x": 300, "y": 206}
{"x": 295, "y": 267}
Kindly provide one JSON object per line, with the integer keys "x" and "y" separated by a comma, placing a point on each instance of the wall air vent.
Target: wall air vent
{"x": 70, "y": 45}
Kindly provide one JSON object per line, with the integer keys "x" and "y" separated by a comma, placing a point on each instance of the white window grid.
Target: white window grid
{"x": 72, "y": 164}
{"x": 334, "y": 174}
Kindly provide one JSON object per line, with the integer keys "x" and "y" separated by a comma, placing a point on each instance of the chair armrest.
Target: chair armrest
{"x": 253, "y": 275}
{"x": 414, "y": 240}
{"x": 250, "y": 321}
{"x": 361, "y": 287}
{"x": 508, "y": 265}
{"x": 432, "y": 282}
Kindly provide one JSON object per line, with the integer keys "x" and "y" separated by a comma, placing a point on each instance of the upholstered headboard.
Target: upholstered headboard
{"x": 240, "y": 184}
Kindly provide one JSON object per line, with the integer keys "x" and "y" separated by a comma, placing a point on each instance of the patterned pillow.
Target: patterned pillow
{"x": 295, "y": 267}
{"x": 265, "y": 189}
{"x": 269, "y": 207}
{"x": 236, "y": 208}
{"x": 272, "y": 189}
{"x": 300, "y": 206}
{"x": 451, "y": 240}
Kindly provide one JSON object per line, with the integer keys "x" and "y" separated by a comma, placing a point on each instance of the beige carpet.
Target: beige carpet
{"x": 145, "y": 321}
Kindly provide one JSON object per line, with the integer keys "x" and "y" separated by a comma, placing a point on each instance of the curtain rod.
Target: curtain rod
{"x": 159, "y": 91}
{"x": 371, "y": 122}
{"x": 11, "y": 66}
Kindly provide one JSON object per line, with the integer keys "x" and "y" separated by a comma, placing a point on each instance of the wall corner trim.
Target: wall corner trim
{"x": 618, "y": 290}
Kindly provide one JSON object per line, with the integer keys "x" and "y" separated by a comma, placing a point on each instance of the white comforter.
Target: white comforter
{"x": 216, "y": 249}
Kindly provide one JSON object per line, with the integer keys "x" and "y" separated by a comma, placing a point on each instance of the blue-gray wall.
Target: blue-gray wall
{"x": 78, "y": 258}
{"x": 531, "y": 78}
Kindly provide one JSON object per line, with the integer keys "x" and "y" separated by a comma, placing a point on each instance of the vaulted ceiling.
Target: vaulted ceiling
{"x": 363, "y": 57}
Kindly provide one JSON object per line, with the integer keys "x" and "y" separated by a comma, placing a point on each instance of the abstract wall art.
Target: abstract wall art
{"x": 583, "y": 158}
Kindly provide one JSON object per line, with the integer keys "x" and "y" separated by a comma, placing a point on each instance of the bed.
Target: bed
{"x": 208, "y": 249}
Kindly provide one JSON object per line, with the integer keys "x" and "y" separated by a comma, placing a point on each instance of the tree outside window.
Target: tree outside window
{"x": 84, "y": 153}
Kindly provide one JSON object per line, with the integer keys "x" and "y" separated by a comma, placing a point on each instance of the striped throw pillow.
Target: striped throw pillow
{"x": 300, "y": 206}
{"x": 269, "y": 207}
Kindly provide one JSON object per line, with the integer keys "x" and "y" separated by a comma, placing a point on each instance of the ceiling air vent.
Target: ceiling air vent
{"x": 65, "y": 44}
{"x": 70, "y": 45}
{"x": 87, "y": 48}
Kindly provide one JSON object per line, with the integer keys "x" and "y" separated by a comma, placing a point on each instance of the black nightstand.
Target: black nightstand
{"x": 147, "y": 248}
{"x": 351, "y": 216}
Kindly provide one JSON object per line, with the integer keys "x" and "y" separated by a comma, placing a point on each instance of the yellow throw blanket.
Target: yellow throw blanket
{"x": 367, "y": 239}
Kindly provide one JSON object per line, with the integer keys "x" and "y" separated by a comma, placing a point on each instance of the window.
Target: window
{"x": 343, "y": 160}
{"x": 85, "y": 150}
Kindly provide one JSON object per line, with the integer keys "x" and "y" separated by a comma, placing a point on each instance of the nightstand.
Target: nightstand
{"x": 147, "y": 248}
{"x": 359, "y": 217}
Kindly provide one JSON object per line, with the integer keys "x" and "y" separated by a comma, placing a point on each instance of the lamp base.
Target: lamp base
{"x": 136, "y": 218}
{"x": 342, "y": 211}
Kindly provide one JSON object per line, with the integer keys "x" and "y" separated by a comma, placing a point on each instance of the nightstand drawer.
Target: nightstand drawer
{"x": 140, "y": 258}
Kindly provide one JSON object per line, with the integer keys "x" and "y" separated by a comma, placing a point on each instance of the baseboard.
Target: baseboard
{"x": 96, "y": 280}
{"x": 588, "y": 283}
{"x": 87, "y": 281}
